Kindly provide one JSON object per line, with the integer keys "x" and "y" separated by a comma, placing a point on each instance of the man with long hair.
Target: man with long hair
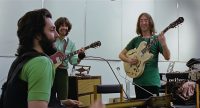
{"x": 150, "y": 79}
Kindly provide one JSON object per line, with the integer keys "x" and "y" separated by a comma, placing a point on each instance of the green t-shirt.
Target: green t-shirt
{"x": 150, "y": 76}
{"x": 39, "y": 72}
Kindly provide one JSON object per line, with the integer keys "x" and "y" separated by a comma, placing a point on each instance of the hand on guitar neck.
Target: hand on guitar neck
{"x": 81, "y": 54}
{"x": 161, "y": 39}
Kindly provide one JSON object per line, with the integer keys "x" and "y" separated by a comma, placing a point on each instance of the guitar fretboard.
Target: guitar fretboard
{"x": 93, "y": 45}
{"x": 75, "y": 52}
{"x": 154, "y": 41}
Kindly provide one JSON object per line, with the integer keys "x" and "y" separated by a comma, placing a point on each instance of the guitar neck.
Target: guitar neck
{"x": 172, "y": 25}
{"x": 166, "y": 29}
{"x": 75, "y": 52}
{"x": 155, "y": 40}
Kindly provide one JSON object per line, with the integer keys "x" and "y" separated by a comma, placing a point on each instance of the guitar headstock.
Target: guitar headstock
{"x": 174, "y": 24}
{"x": 95, "y": 44}
{"x": 177, "y": 22}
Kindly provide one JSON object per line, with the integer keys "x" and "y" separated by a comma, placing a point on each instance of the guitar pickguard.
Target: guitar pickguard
{"x": 135, "y": 71}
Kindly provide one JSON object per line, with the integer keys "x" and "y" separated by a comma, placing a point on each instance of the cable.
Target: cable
{"x": 118, "y": 79}
{"x": 126, "y": 81}
{"x": 135, "y": 84}
{"x": 111, "y": 70}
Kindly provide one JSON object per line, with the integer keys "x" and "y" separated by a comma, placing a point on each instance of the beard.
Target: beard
{"x": 47, "y": 45}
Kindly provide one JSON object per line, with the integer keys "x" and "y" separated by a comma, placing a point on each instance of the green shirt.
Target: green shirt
{"x": 39, "y": 73}
{"x": 59, "y": 44}
{"x": 150, "y": 76}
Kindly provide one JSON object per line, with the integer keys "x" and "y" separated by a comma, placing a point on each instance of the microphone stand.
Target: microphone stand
{"x": 136, "y": 84}
{"x": 111, "y": 70}
{"x": 142, "y": 88}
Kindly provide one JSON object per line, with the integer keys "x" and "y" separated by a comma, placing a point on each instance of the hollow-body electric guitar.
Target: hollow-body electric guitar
{"x": 58, "y": 57}
{"x": 142, "y": 53}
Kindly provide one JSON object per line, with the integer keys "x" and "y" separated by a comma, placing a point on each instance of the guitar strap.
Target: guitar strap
{"x": 150, "y": 40}
{"x": 65, "y": 45}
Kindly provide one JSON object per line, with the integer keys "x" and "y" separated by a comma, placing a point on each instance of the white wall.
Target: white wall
{"x": 11, "y": 11}
{"x": 113, "y": 22}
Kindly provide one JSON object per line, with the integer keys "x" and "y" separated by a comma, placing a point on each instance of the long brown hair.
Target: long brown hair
{"x": 151, "y": 24}
{"x": 29, "y": 26}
